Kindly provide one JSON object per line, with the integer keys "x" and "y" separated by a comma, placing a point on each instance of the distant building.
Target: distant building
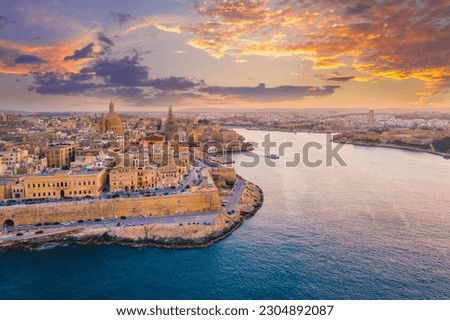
{"x": 111, "y": 122}
{"x": 371, "y": 119}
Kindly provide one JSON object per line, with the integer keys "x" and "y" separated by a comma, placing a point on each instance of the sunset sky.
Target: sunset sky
{"x": 146, "y": 55}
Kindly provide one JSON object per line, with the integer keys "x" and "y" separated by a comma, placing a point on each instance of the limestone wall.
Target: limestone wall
{"x": 203, "y": 200}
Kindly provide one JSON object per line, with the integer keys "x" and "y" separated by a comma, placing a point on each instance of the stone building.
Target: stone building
{"x": 132, "y": 178}
{"x": 5, "y": 189}
{"x": 60, "y": 156}
{"x": 64, "y": 183}
{"x": 111, "y": 122}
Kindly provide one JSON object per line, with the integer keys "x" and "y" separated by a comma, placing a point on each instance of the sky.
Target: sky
{"x": 147, "y": 55}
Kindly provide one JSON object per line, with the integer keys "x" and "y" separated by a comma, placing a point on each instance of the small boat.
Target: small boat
{"x": 212, "y": 150}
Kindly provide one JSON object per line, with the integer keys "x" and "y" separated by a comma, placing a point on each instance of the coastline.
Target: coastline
{"x": 154, "y": 235}
{"x": 357, "y": 143}
{"x": 394, "y": 146}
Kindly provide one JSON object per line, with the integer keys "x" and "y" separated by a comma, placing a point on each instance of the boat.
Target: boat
{"x": 212, "y": 150}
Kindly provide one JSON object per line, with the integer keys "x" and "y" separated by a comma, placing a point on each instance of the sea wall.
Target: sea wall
{"x": 202, "y": 200}
{"x": 156, "y": 235}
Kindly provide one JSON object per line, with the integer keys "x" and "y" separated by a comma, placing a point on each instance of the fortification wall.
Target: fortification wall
{"x": 202, "y": 200}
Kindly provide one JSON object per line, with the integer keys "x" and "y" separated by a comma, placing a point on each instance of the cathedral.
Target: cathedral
{"x": 111, "y": 122}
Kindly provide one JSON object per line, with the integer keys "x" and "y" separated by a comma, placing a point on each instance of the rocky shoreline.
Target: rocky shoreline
{"x": 155, "y": 235}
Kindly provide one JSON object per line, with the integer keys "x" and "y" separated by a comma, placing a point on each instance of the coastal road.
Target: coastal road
{"x": 229, "y": 204}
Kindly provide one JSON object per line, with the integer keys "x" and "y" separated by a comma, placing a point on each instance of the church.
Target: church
{"x": 111, "y": 122}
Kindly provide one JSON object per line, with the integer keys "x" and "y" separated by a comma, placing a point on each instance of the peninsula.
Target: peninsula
{"x": 133, "y": 182}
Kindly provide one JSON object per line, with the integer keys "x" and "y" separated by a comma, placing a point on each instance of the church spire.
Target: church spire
{"x": 111, "y": 107}
{"x": 170, "y": 119}
{"x": 171, "y": 125}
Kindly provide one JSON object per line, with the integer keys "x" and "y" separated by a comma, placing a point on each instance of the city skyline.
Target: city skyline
{"x": 59, "y": 56}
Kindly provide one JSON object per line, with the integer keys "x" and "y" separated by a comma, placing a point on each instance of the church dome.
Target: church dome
{"x": 112, "y": 122}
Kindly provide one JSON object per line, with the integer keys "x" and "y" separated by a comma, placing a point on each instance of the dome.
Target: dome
{"x": 112, "y": 121}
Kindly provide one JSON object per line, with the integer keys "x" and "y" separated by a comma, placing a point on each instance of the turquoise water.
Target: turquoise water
{"x": 378, "y": 228}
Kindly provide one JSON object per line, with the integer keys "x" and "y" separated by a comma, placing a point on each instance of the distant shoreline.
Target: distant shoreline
{"x": 394, "y": 146}
{"x": 364, "y": 144}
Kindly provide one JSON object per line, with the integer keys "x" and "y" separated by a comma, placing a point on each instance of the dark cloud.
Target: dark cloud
{"x": 173, "y": 84}
{"x": 127, "y": 72}
{"x": 127, "y": 78}
{"x": 86, "y": 52}
{"x": 263, "y": 94}
{"x": 357, "y": 9}
{"x": 4, "y": 22}
{"x": 104, "y": 40}
{"x": 121, "y": 18}
{"x": 51, "y": 83}
{"x": 26, "y": 58}
{"x": 341, "y": 78}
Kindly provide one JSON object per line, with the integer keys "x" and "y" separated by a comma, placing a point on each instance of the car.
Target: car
{"x": 19, "y": 234}
{"x": 39, "y": 232}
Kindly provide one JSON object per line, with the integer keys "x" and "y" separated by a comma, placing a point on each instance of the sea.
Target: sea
{"x": 376, "y": 226}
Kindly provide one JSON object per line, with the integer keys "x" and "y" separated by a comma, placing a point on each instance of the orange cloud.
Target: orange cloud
{"x": 391, "y": 39}
{"x": 51, "y": 56}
